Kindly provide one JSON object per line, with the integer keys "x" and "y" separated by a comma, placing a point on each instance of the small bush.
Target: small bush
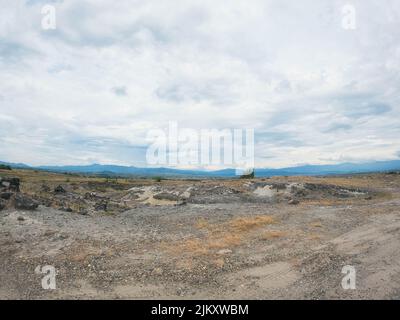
{"x": 249, "y": 175}
{"x": 5, "y": 167}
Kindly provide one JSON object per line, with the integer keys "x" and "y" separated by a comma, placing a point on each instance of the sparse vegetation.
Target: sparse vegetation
{"x": 223, "y": 234}
{"x": 248, "y": 175}
{"x": 248, "y": 223}
{"x": 273, "y": 234}
{"x": 316, "y": 224}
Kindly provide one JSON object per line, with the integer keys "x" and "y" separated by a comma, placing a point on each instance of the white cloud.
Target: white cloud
{"x": 91, "y": 89}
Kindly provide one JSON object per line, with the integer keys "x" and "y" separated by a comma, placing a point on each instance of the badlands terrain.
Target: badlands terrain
{"x": 270, "y": 238}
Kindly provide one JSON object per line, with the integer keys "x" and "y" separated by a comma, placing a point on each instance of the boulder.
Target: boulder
{"x": 24, "y": 202}
{"x": 181, "y": 203}
{"x": 278, "y": 186}
{"x": 5, "y": 195}
{"x": 9, "y": 184}
{"x": 101, "y": 206}
{"x": 93, "y": 196}
{"x": 166, "y": 196}
{"x": 59, "y": 189}
{"x": 2, "y": 204}
{"x": 293, "y": 201}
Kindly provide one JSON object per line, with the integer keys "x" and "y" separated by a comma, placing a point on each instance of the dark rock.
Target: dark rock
{"x": 166, "y": 196}
{"x": 278, "y": 186}
{"x": 2, "y": 204}
{"x": 20, "y": 218}
{"x": 59, "y": 189}
{"x": 312, "y": 186}
{"x": 181, "y": 203}
{"x": 46, "y": 202}
{"x": 332, "y": 190}
{"x": 62, "y": 237}
{"x": 101, "y": 206}
{"x": 93, "y": 196}
{"x": 5, "y": 195}
{"x": 24, "y": 202}
{"x": 9, "y": 184}
{"x": 301, "y": 193}
{"x": 293, "y": 202}
{"x": 90, "y": 196}
{"x": 83, "y": 212}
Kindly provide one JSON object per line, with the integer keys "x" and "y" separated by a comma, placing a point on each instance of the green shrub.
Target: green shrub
{"x": 249, "y": 175}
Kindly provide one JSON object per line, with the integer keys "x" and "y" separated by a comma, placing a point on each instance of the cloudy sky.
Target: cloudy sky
{"x": 89, "y": 91}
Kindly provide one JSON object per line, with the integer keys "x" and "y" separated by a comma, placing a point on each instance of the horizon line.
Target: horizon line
{"x": 195, "y": 169}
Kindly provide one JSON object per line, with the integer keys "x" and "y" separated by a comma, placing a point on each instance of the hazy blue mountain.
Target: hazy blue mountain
{"x": 15, "y": 165}
{"x": 343, "y": 168}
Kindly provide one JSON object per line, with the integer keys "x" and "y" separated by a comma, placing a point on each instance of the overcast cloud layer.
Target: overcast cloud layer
{"x": 90, "y": 90}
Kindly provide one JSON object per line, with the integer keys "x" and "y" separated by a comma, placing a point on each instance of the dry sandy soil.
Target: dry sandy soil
{"x": 277, "y": 238}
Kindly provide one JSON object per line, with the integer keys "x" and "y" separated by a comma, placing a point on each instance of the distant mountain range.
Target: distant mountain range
{"x": 114, "y": 170}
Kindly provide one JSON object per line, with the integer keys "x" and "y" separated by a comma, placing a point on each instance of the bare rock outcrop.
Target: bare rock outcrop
{"x": 23, "y": 202}
{"x": 9, "y": 184}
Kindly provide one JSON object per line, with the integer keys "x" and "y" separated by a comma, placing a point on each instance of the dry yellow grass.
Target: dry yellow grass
{"x": 314, "y": 236}
{"x": 225, "y": 235}
{"x": 204, "y": 246}
{"x": 225, "y": 240}
{"x": 195, "y": 246}
{"x": 31, "y": 180}
{"x": 202, "y": 224}
{"x": 316, "y": 224}
{"x": 273, "y": 234}
{"x": 248, "y": 223}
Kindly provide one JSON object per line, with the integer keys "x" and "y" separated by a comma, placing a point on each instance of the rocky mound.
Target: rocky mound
{"x": 10, "y": 195}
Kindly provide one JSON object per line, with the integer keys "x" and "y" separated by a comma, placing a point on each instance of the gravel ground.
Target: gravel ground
{"x": 280, "y": 238}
